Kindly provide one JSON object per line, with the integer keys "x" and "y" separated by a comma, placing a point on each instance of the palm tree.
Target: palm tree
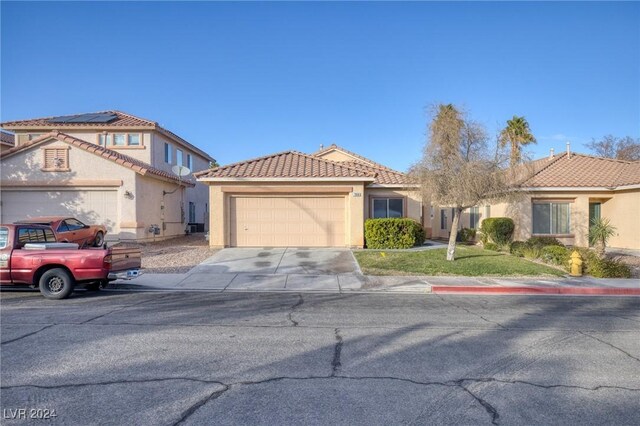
{"x": 518, "y": 134}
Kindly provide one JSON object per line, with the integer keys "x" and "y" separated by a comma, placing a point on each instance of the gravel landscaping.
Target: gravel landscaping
{"x": 174, "y": 256}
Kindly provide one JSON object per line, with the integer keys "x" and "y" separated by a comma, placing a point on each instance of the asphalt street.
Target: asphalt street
{"x": 286, "y": 358}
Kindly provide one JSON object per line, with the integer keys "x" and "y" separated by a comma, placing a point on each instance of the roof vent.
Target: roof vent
{"x": 551, "y": 154}
{"x": 568, "y": 149}
{"x": 321, "y": 147}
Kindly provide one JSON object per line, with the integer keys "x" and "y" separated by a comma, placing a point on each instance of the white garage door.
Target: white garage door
{"x": 91, "y": 207}
{"x": 287, "y": 221}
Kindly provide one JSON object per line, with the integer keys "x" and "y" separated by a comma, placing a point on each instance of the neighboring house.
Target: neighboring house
{"x": 563, "y": 194}
{"x": 300, "y": 200}
{"x": 110, "y": 168}
{"x": 6, "y": 141}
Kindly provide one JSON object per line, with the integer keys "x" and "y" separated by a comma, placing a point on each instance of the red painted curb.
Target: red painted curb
{"x": 536, "y": 290}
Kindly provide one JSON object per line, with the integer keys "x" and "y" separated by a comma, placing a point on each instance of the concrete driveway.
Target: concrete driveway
{"x": 277, "y": 269}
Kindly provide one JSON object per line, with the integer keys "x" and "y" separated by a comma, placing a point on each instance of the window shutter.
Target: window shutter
{"x": 56, "y": 158}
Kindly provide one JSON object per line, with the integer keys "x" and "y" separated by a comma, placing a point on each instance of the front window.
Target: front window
{"x": 133, "y": 139}
{"x": 551, "y": 218}
{"x": 192, "y": 212}
{"x": 178, "y": 157}
{"x": 443, "y": 219}
{"x": 167, "y": 153}
{"x": 105, "y": 139}
{"x": 118, "y": 139}
{"x": 190, "y": 162}
{"x": 474, "y": 217}
{"x": 388, "y": 207}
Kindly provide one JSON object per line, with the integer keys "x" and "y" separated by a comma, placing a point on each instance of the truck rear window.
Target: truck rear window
{"x": 4, "y": 237}
{"x": 35, "y": 235}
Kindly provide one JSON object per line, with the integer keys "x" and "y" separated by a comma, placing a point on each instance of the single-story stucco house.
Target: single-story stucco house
{"x": 563, "y": 194}
{"x": 108, "y": 167}
{"x": 305, "y": 200}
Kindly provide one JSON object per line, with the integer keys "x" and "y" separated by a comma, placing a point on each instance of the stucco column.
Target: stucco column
{"x": 217, "y": 230}
{"x": 356, "y": 216}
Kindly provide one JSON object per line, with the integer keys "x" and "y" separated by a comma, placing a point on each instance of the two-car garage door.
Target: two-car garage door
{"x": 287, "y": 221}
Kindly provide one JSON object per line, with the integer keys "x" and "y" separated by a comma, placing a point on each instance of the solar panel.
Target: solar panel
{"x": 84, "y": 118}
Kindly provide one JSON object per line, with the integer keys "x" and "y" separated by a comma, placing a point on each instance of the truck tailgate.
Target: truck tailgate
{"x": 124, "y": 258}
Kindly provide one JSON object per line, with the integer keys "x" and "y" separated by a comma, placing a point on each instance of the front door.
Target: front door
{"x": 594, "y": 213}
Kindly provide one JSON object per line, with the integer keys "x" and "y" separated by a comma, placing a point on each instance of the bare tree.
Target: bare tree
{"x": 610, "y": 146}
{"x": 459, "y": 169}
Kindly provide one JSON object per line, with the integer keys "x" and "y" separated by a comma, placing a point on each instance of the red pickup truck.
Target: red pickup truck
{"x": 30, "y": 255}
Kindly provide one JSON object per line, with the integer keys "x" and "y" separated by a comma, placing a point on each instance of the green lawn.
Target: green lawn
{"x": 470, "y": 261}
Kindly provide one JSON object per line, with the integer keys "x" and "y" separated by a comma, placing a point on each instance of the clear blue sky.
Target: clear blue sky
{"x": 246, "y": 79}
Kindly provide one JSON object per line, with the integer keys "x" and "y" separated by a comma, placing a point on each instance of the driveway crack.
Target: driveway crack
{"x": 610, "y": 345}
{"x": 300, "y": 301}
{"x": 28, "y": 334}
{"x": 493, "y": 412}
{"x": 195, "y": 407}
{"x": 471, "y": 312}
{"x": 336, "y": 363}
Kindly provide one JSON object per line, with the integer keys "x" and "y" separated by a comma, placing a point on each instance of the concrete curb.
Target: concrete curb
{"x": 612, "y": 291}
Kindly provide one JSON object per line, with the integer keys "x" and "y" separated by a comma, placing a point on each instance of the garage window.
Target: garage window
{"x": 387, "y": 207}
{"x": 56, "y": 160}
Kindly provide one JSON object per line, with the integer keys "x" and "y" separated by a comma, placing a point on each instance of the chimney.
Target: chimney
{"x": 568, "y": 149}
{"x": 321, "y": 147}
{"x": 551, "y": 154}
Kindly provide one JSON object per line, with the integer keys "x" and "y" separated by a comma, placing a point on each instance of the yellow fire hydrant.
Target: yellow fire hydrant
{"x": 576, "y": 264}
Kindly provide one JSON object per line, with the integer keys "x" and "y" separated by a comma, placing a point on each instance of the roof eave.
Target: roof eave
{"x": 286, "y": 179}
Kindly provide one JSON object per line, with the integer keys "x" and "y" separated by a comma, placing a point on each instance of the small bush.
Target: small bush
{"x": 556, "y": 255}
{"x": 531, "y": 252}
{"x": 396, "y": 233}
{"x": 491, "y": 246}
{"x": 543, "y": 242}
{"x": 498, "y": 230}
{"x": 517, "y": 248}
{"x": 609, "y": 268}
{"x": 466, "y": 234}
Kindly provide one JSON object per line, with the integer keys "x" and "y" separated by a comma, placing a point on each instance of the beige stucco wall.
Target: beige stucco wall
{"x": 621, "y": 207}
{"x": 354, "y": 205}
{"x": 412, "y": 205}
{"x": 142, "y": 152}
{"x": 198, "y": 194}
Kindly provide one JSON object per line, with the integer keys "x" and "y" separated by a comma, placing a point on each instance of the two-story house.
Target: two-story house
{"x": 107, "y": 167}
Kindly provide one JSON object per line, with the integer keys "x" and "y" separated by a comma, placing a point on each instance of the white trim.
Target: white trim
{"x": 577, "y": 189}
{"x": 291, "y": 179}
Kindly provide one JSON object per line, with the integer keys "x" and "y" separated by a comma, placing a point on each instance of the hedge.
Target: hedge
{"x": 395, "y": 233}
{"x": 498, "y": 230}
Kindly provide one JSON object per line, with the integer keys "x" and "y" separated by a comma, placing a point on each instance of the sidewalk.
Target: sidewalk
{"x": 345, "y": 283}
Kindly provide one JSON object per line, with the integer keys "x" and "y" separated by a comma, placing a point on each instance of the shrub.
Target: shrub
{"x": 517, "y": 248}
{"x": 466, "y": 234}
{"x": 531, "y": 252}
{"x": 600, "y": 231}
{"x": 491, "y": 246}
{"x": 556, "y": 255}
{"x": 497, "y": 230}
{"x": 395, "y": 233}
{"x": 609, "y": 268}
{"x": 543, "y": 242}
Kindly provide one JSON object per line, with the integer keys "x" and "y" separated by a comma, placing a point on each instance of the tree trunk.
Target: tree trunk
{"x": 451, "y": 250}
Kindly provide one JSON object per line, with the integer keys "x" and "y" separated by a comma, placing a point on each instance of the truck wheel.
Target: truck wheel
{"x": 99, "y": 239}
{"x": 56, "y": 284}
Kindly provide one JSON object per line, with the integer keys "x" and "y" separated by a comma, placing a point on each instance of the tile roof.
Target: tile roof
{"x": 109, "y": 154}
{"x": 288, "y": 164}
{"x": 384, "y": 175}
{"x": 579, "y": 170}
{"x": 123, "y": 121}
{"x": 7, "y": 138}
